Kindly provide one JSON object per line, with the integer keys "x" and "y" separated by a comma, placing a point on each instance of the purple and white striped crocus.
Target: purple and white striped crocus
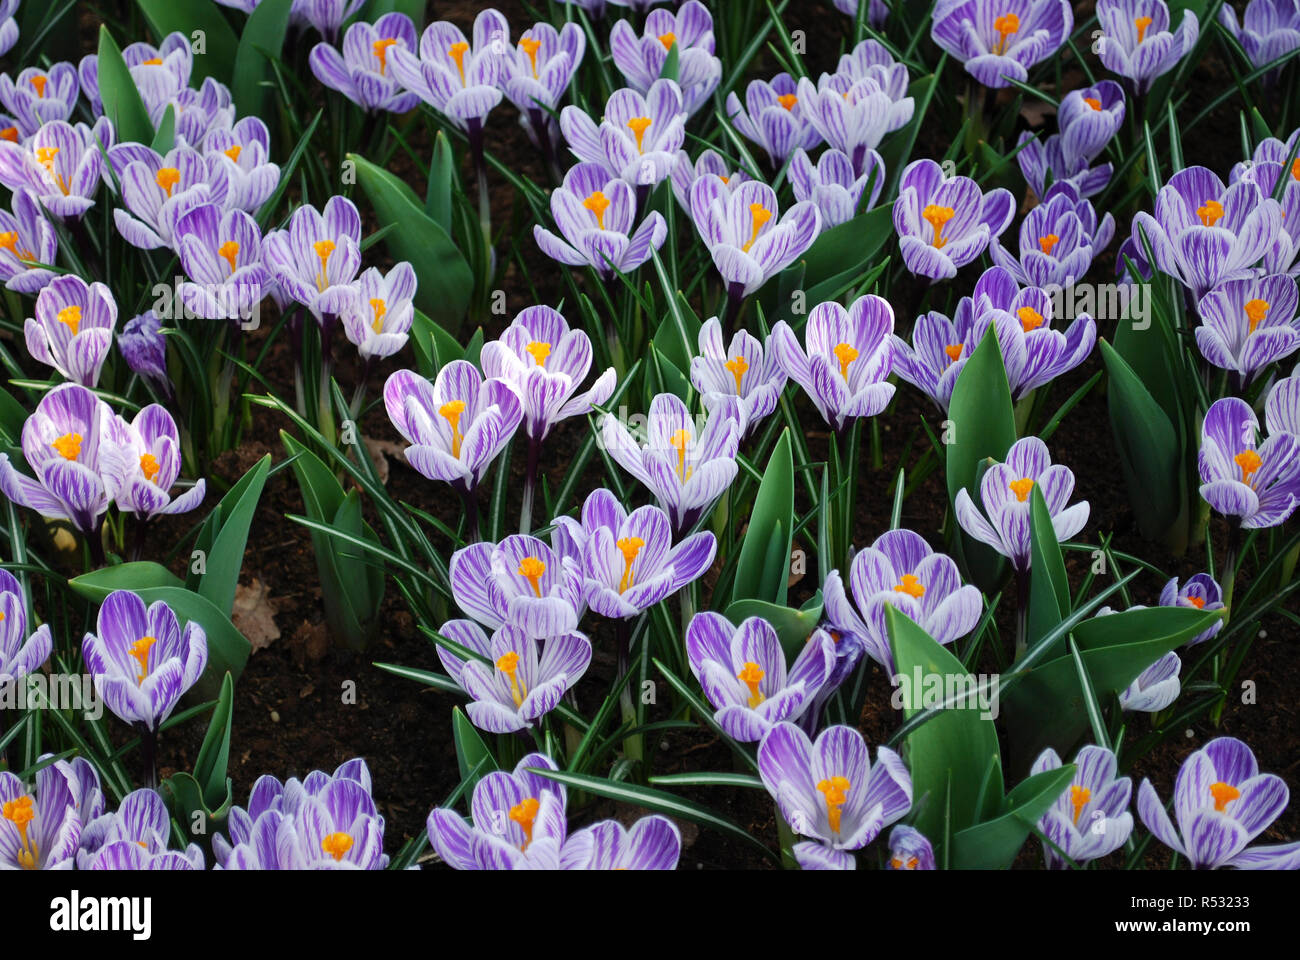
{"x": 743, "y": 673}
{"x": 200, "y": 112}
{"x": 222, "y": 256}
{"x": 1001, "y": 39}
{"x": 1282, "y": 408}
{"x": 1154, "y": 688}
{"x": 327, "y": 16}
{"x": 852, "y": 115}
{"x": 518, "y": 822}
{"x": 457, "y": 78}
{"x": 520, "y": 583}
{"x": 1089, "y": 819}
{"x": 900, "y": 570}
{"x": 640, "y": 59}
{"x": 1258, "y": 483}
{"x": 519, "y": 680}
{"x": 142, "y": 824}
{"x": 686, "y": 468}
{"x": 1058, "y": 240}
{"x": 749, "y": 240}
{"x": 744, "y": 373}
{"x": 1087, "y": 120}
{"x": 774, "y": 118}
{"x": 240, "y": 173}
{"x": 1221, "y": 803}
{"x": 37, "y": 96}
{"x": 26, "y": 239}
{"x": 1269, "y": 29}
{"x": 60, "y": 163}
{"x": 8, "y": 25}
{"x": 378, "y": 319}
{"x": 1267, "y": 166}
{"x": 1204, "y": 233}
{"x": 538, "y": 69}
{"x": 456, "y": 425}
{"x": 877, "y": 10}
{"x": 20, "y": 654}
{"x": 146, "y": 454}
{"x": 156, "y": 192}
{"x": 141, "y": 660}
{"x": 545, "y": 363}
{"x": 360, "y": 72}
{"x": 595, "y": 211}
{"x": 845, "y": 360}
{"x": 144, "y": 348}
{"x": 316, "y": 259}
{"x": 40, "y": 829}
{"x": 909, "y": 849}
{"x": 1004, "y": 493}
{"x": 1248, "y": 324}
{"x": 1200, "y": 592}
{"x": 160, "y": 73}
{"x": 638, "y": 137}
{"x": 934, "y": 359}
{"x": 833, "y": 185}
{"x": 1136, "y": 42}
{"x": 828, "y": 790}
{"x": 62, "y": 443}
{"x": 944, "y": 223}
{"x": 710, "y": 163}
{"x": 73, "y": 328}
{"x": 652, "y": 843}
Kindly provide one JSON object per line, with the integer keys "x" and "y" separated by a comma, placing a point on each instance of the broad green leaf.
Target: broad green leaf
{"x": 117, "y": 90}
{"x": 261, "y": 41}
{"x": 762, "y": 573}
{"x": 214, "y": 754}
{"x": 1049, "y": 588}
{"x": 793, "y": 627}
{"x": 897, "y": 148}
{"x": 226, "y": 555}
{"x": 204, "y": 25}
{"x": 136, "y": 575}
{"x": 185, "y": 798}
{"x": 471, "y": 751}
{"x": 994, "y": 844}
{"x": 442, "y": 176}
{"x": 166, "y": 135}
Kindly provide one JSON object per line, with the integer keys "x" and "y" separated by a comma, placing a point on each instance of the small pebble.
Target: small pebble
{"x": 275, "y": 717}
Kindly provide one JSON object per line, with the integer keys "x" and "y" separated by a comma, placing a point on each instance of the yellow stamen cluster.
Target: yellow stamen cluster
{"x": 836, "y": 792}
{"x": 457, "y": 53}
{"x": 1005, "y": 25}
{"x": 638, "y": 126}
{"x": 508, "y": 663}
{"x": 149, "y": 467}
{"x": 759, "y": 214}
{"x": 1224, "y": 794}
{"x": 1249, "y": 461}
{"x": 532, "y": 570}
{"x": 1079, "y": 797}
{"x": 1142, "y": 23}
{"x": 737, "y": 366}
{"x": 337, "y": 845}
{"x": 167, "y": 178}
{"x": 378, "y": 307}
{"x": 139, "y": 651}
{"x": 597, "y": 203}
{"x": 938, "y": 217}
{"x": 9, "y": 241}
{"x": 323, "y": 250}
{"x": 530, "y": 47}
{"x": 70, "y": 317}
{"x": 451, "y": 412}
{"x": 229, "y": 251}
{"x": 1210, "y": 213}
{"x": 38, "y": 81}
{"x": 380, "y": 49}
{"x": 68, "y": 446}
{"x": 751, "y": 675}
{"x": 1256, "y": 311}
{"x": 680, "y": 441}
{"x": 845, "y": 354}
{"x": 1030, "y": 319}
{"x": 21, "y": 812}
{"x": 668, "y": 39}
{"x": 524, "y": 813}
{"x": 629, "y": 547}
{"x": 954, "y": 351}
{"x": 1048, "y": 242}
{"x": 1021, "y": 488}
{"x": 911, "y": 586}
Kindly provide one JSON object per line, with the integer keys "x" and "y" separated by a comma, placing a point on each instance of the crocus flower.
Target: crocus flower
{"x": 20, "y": 654}
{"x": 1249, "y": 323}
{"x": 1001, "y": 39}
{"x": 160, "y": 73}
{"x": 900, "y": 570}
{"x": 849, "y": 649}
{"x": 652, "y": 843}
{"x": 773, "y": 117}
{"x": 379, "y": 316}
{"x": 361, "y": 71}
{"x": 538, "y": 69}
{"x": 909, "y": 849}
{"x": 1058, "y": 240}
{"x": 1265, "y": 169}
{"x": 146, "y": 454}
{"x": 935, "y": 358}
{"x": 1200, "y": 592}
{"x": 240, "y": 174}
{"x": 749, "y": 240}
{"x": 845, "y": 359}
{"x": 222, "y": 256}
{"x": 1270, "y": 29}
{"x": 61, "y": 443}
{"x": 641, "y": 59}
{"x": 73, "y": 328}
{"x": 685, "y": 467}
{"x": 39, "y": 829}
{"x": 456, "y": 425}
{"x": 157, "y": 192}
{"x": 200, "y": 112}
{"x": 1087, "y": 120}
{"x": 38, "y": 96}
{"x": 8, "y": 25}
{"x": 144, "y": 348}
{"x": 851, "y": 115}
{"x": 832, "y": 185}
{"x": 1090, "y": 819}
{"x": 1004, "y": 493}
{"x": 316, "y": 259}
{"x": 1204, "y": 233}
{"x": 521, "y": 681}
{"x": 26, "y": 239}
{"x": 1257, "y": 483}
{"x": 1282, "y": 408}
{"x": 1155, "y": 688}
{"x": 742, "y": 671}
{"x": 944, "y": 223}
{"x": 521, "y": 583}
{"x": 638, "y": 137}
{"x": 744, "y": 373}
{"x": 141, "y": 659}
{"x": 59, "y": 163}
{"x": 142, "y": 822}
{"x": 545, "y": 363}
{"x": 518, "y": 822}
{"x": 829, "y": 791}
{"x": 710, "y": 163}
{"x": 458, "y": 79}
{"x": 1136, "y": 42}
{"x": 1221, "y": 802}
{"x": 870, "y": 58}
{"x": 85, "y": 787}
{"x": 595, "y": 211}
{"x": 327, "y": 16}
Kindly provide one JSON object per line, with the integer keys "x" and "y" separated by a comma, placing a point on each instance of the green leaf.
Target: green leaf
{"x": 189, "y": 17}
{"x": 214, "y": 754}
{"x": 793, "y": 627}
{"x": 897, "y": 148}
{"x": 225, "y": 556}
{"x": 137, "y": 575}
{"x": 166, "y": 135}
{"x": 12, "y": 418}
{"x": 471, "y": 751}
{"x": 762, "y": 572}
{"x": 445, "y": 283}
{"x": 993, "y": 844}
{"x": 117, "y": 90}
{"x": 442, "y": 175}
{"x": 260, "y": 43}
{"x": 185, "y": 798}
{"x": 1049, "y": 588}
{"x": 839, "y": 255}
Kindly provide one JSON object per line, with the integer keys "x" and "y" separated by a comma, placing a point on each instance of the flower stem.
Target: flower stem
{"x": 95, "y": 541}
{"x": 1022, "y": 612}
{"x": 149, "y": 757}
{"x": 474, "y": 131}
{"x": 632, "y": 746}
{"x": 471, "y": 514}
{"x": 735, "y": 300}
{"x": 530, "y": 485}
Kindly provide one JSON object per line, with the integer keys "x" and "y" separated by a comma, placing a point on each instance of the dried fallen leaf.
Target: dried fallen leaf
{"x": 380, "y": 451}
{"x": 253, "y": 614}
